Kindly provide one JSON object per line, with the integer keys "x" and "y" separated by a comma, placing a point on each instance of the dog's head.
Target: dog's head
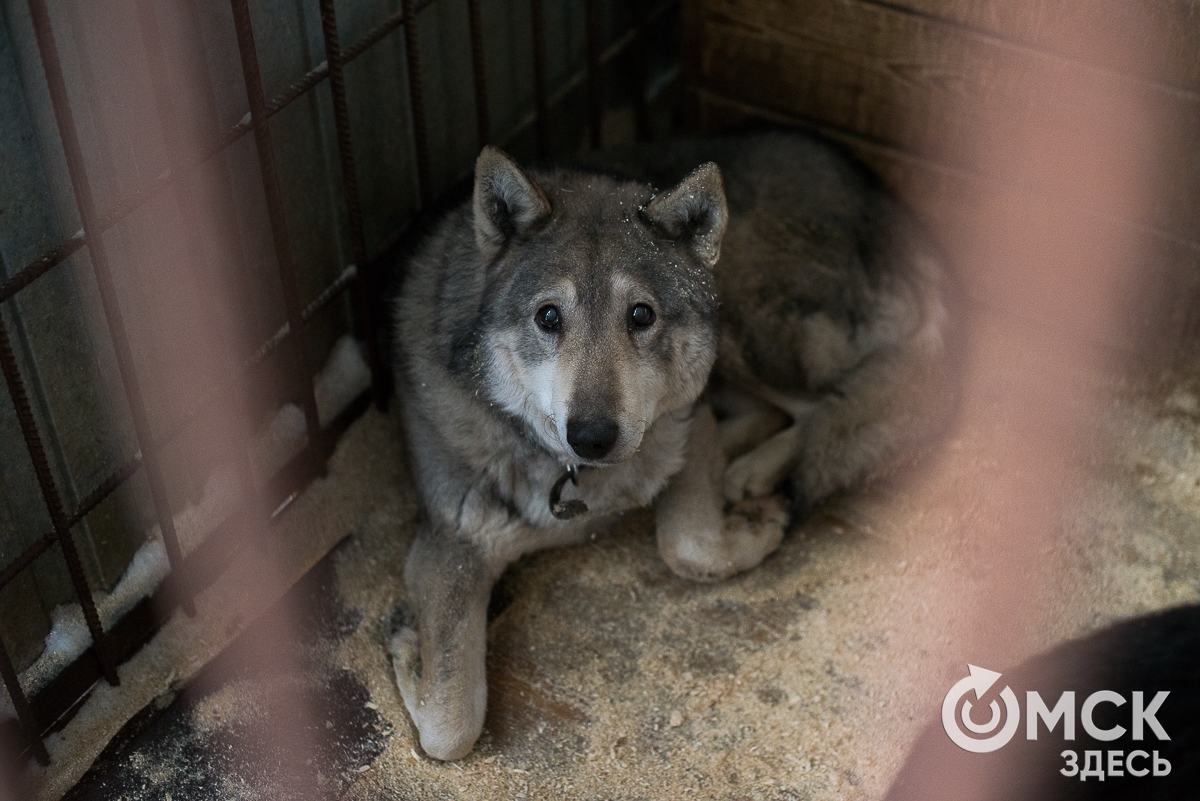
{"x": 602, "y": 304}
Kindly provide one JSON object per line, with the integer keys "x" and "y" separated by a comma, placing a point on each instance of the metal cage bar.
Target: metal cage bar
{"x": 301, "y": 371}
{"x": 127, "y": 470}
{"x": 136, "y": 199}
{"x": 62, "y": 251}
{"x": 130, "y": 203}
{"x": 93, "y": 499}
{"x": 26, "y": 557}
{"x": 68, "y": 247}
{"x": 21, "y": 704}
{"x": 595, "y": 97}
{"x": 358, "y": 242}
{"x": 85, "y": 202}
{"x": 416, "y": 99}
{"x": 541, "y": 105}
{"x": 45, "y": 478}
{"x": 291, "y": 333}
{"x": 641, "y": 68}
{"x": 40, "y": 266}
{"x": 479, "y": 70}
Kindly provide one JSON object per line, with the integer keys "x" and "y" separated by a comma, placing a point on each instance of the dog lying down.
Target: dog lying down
{"x": 574, "y": 344}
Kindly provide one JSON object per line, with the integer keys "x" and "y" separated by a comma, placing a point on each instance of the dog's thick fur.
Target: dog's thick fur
{"x": 777, "y": 260}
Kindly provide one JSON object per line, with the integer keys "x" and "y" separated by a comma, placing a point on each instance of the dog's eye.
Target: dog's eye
{"x": 641, "y": 316}
{"x": 548, "y": 318}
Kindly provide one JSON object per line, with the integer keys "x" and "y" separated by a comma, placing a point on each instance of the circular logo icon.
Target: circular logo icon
{"x": 956, "y": 709}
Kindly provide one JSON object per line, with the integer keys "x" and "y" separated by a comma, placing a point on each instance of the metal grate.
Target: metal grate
{"x": 41, "y": 714}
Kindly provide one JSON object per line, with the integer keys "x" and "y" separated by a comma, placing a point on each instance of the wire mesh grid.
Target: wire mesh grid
{"x": 39, "y": 715}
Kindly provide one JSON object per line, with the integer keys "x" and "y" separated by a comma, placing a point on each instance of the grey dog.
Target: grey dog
{"x": 574, "y": 344}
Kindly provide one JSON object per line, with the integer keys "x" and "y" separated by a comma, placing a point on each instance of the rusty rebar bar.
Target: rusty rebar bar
{"x": 541, "y": 105}
{"x": 301, "y": 371}
{"x": 365, "y": 283}
{"x": 85, "y": 202}
{"x": 595, "y": 93}
{"x": 26, "y": 557}
{"x": 49, "y": 489}
{"x": 127, "y": 470}
{"x": 641, "y": 69}
{"x": 130, "y": 203}
{"x": 41, "y": 265}
{"x": 416, "y": 100}
{"x": 104, "y": 281}
{"x": 20, "y": 703}
{"x": 93, "y": 499}
{"x": 479, "y": 70}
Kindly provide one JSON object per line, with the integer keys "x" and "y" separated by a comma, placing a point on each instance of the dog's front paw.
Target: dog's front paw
{"x": 448, "y": 720}
{"x": 405, "y": 648}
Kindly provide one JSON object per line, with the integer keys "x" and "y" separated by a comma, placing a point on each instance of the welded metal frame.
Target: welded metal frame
{"x": 43, "y": 714}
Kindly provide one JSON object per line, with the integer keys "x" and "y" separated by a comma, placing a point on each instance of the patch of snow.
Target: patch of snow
{"x": 344, "y": 376}
{"x": 342, "y": 379}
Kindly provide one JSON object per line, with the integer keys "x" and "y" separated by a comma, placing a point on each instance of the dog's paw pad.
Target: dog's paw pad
{"x": 754, "y": 528}
{"x": 770, "y": 512}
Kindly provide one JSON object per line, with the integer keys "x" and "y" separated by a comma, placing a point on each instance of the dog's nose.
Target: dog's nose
{"x": 592, "y": 439}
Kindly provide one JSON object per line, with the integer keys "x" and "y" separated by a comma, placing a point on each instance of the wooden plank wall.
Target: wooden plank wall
{"x": 934, "y": 94}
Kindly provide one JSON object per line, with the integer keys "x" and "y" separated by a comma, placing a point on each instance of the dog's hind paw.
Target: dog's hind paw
{"x": 769, "y": 513}
{"x": 751, "y": 531}
{"x": 754, "y": 528}
{"x": 757, "y": 474}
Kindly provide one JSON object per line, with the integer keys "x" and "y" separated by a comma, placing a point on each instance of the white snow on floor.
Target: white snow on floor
{"x": 344, "y": 376}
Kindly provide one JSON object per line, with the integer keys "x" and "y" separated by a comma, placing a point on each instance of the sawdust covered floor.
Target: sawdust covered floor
{"x": 611, "y": 678}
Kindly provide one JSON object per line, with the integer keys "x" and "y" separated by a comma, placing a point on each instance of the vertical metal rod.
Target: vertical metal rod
{"x": 58, "y": 518}
{"x": 595, "y": 100}
{"x": 184, "y": 190}
{"x": 301, "y": 372}
{"x": 475, "y": 8}
{"x": 416, "y": 97}
{"x": 93, "y": 234}
{"x": 37, "y": 394}
{"x": 641, "y": 57}
{"x": 540, "y": 95}
{"x": 364, "y": 284}
{"x": 21, "y": 703}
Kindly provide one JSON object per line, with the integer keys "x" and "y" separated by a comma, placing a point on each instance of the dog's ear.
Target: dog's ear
{"x": 507, "y": 201}
{"x": 693, "y": 212}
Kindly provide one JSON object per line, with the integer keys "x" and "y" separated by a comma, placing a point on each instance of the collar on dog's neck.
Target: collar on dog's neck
{"x": 565, "y": 510}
